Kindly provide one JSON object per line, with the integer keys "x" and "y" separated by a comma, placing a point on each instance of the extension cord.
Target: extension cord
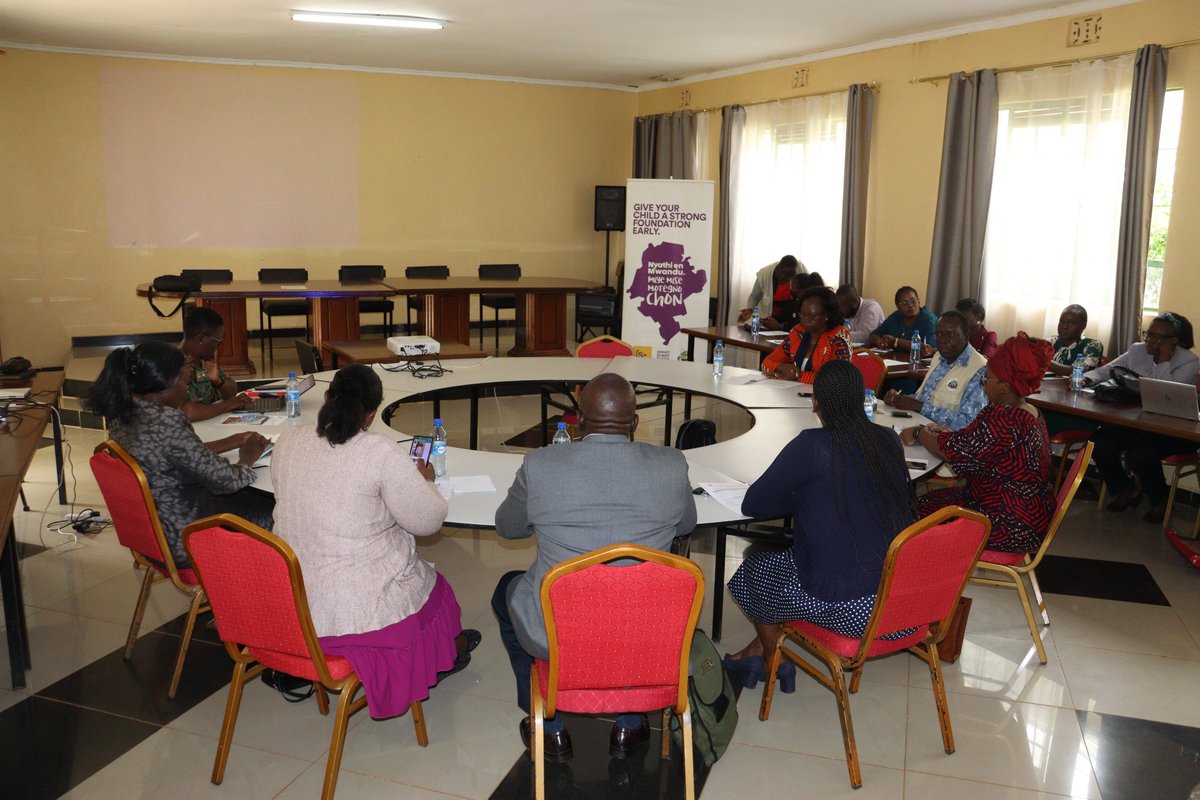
{"x": 86, "y": 516}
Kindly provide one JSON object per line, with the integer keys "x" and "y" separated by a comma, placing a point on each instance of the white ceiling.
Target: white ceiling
{"x": 612, "y": 42}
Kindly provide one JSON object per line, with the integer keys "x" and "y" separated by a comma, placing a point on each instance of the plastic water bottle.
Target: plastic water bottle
{"x": 870, "y": 403}
{"x": 437, "y": 457}
{"x": 1077, "y": 374}
{"x": 755, "y": 322}
{"x": 914, "y": 355}
{"x": 291, "y": 393}
{"x": 719, "y": 358}
{"x": 561, "y": 436}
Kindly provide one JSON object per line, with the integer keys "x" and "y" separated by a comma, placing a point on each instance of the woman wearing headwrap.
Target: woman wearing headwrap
{"x": 1004, "y": 454}
{"x": 350, "y": 503}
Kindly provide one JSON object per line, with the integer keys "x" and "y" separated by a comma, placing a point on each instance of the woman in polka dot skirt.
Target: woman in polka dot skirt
{"x": 846, "y": 487}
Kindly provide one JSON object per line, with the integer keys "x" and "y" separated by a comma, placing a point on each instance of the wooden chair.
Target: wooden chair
{"x": 257, "y": 592}
{"x": 926, "y": 568}
{"x": 283, "y": 307}
{"x": 496, "y": 302}
{"x": 370, "y": 273}
{"x": 873, "y": 370}
{"x": 412, "y": 301}
{"x": 619, "y": 641}
{"x": 1008, "y": 570}
{"x": 1181, "y": 467}
{"x": 1072, "y": 443}
{"x": 135, "y": 520}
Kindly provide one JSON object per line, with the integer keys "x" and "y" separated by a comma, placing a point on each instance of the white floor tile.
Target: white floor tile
{"x": 1133, "y": 685}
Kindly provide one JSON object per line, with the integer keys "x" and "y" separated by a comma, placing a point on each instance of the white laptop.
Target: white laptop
{"x": 1170, "y": 398}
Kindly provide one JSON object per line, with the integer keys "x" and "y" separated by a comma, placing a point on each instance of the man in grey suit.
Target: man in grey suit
{"x": 605, "y": 489}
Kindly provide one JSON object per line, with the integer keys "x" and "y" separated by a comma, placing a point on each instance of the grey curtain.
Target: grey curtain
{"x": 964, "y": 190}
{"x": 1137, "y": 196}
{"x": 664, "y": 146}
{"x": 733, "y": 121}
{"x": 860, "y": 113}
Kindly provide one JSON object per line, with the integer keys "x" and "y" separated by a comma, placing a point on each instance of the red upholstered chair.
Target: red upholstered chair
{"x": 619, "y": 642}
{"x": 923, "y": 577}
{"x": 873, "y": 370}
{"x": 135, "y": 520}
{"x": 604, "y": 347}
{"x": 1181, "y": 466}
{"x": 1070, "y": 442}
{"x": 254, "y": 583}
{"x": 1009, "y": 569}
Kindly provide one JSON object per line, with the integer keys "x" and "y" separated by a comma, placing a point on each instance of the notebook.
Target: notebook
{"x": 1170, "y": 398}
{"x": 270, "y": 397}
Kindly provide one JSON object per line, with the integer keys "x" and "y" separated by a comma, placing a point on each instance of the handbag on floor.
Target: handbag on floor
{"x": 293, "y": 689}
{"x": 712, "y": 702}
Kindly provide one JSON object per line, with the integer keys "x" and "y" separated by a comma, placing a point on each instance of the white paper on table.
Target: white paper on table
{"x": 469, "y": 484}
{"x": 891, "y": 362}
{"x": 729, "y": 495}
{"x": 742, "y": 380}
{"x": 773, "y": 334}
{"x": 293, "y": 287}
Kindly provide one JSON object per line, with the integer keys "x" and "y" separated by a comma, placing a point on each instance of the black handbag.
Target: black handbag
{"x": 1122, "y": 387}
{"x": 173, "y": 284}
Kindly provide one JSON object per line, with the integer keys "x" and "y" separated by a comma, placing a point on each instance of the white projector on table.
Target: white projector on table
{"x": 413, "y": 345}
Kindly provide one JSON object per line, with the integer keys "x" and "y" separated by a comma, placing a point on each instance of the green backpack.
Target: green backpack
{"x": 712, "y": 701}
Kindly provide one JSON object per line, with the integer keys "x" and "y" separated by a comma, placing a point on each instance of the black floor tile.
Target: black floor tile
{"x": 1135, "y": 759}
{"x": 532, "y": 438}
{"x": 46, "y": 748}
{"x": 138, "y": 688}
{"x": 1105, "y": 580}
{"x": 27, "y": 549}
{"x": 592, "y": 774}
{"x": 203, "y": 632}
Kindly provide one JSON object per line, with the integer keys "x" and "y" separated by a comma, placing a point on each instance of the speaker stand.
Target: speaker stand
{"x": 607, "y": 234}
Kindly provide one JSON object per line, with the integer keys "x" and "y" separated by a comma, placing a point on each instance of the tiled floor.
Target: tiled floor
{"x": 1115, "y": 714}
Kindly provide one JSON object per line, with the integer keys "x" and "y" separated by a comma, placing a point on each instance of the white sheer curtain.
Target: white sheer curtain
{"x": 789, "y": 200}
{"x": 700, "y": 156}
{"x": 1056, "y": 197}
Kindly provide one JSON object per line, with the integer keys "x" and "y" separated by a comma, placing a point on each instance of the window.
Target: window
{"x": 1164, "y": 184}
{"x": 1056, "y": 195}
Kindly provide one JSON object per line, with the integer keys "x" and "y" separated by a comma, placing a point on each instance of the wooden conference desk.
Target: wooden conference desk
{"x": 375, "y": 351}
{"x": 737, "y": 336}
{"x": 19, "y": 439}
{"x": 334, "y": 312}
{"x": 1056, "y": 395}
{"x": 445, "y": 312}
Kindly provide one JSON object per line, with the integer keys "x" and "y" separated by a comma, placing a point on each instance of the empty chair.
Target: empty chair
{"x": 496, "y": 302}
{"x": 873, "y": 370}
{"x": 135, "y": 520}
{"x": 605, "y": 662}
{"x": 600, "y": 309}
{"x": 924, "y": 574}
{"x": 310, "y": 357}
{"x": 259, "y": 601}
{"x": 421, "y": 273}
{"x": 370, "y": 273}
{"x": 282, "y": 307}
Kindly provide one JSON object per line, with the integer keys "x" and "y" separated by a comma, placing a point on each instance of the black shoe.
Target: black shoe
{"x": 468, "y": 640}
{"x": 623, "y": 741}
{"x": 1155, "y": 514}
{"x": 1119, "y": 505}
{"x": 558, "y": 745}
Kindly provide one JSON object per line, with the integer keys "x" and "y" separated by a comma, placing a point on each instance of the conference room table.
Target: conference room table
{"x": 779, "y": 410}
{"x": 20, "y": 436}
{"x": 766, "y": 341}
{"x": 375, "y": 351}
{"x": 1056, "y": 395}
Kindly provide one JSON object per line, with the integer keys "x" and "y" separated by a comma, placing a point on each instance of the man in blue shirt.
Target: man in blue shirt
{"x": 952, "y": 393}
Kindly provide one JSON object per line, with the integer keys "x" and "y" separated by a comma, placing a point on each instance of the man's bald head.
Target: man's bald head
{"x": 608, "y": 404}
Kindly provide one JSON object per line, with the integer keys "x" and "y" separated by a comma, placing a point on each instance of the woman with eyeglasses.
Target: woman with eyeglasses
{"x": 1164, "y": 353}
{"x": 210, "y": 392}
{"x": 819, "y": 336}
{"x": 1003, "y": 454}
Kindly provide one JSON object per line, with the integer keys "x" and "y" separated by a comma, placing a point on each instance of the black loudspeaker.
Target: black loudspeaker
{"x": 610, "y": 208}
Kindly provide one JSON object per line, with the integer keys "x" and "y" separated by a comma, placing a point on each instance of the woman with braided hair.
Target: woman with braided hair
{"x": 350, "y": 503}
{"x": 846, "y": 487}
{"x": 139, "y": 392}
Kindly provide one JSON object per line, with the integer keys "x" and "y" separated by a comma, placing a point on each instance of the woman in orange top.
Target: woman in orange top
{"x": 820, "y": 337}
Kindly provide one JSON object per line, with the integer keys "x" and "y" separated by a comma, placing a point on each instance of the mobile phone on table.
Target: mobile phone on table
{"x": 902, "y": 414}
{"x": 421, "y": 448}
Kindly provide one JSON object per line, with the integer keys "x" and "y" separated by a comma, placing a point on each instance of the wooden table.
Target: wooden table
{"x": 334, "y": 312}
{"x": 445, "y": 312}
{"x": 1056, "y": 395}
{"x": 375, "y": 351}
{"x": 20, "y": 436}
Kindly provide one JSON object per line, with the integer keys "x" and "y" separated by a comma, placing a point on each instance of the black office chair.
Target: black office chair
{"x": 421, "y": 273}
{"x": 370, "y": 273}
{"x": 597, "y": 310}
{"x": 206, "y": 276}
{"x": 283, "y": 307}
{"x": 310, "y": 357}
{"x": 494, "y": 272}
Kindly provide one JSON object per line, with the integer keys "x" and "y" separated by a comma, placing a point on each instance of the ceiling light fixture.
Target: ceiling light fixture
{"x": 385, "y": 20}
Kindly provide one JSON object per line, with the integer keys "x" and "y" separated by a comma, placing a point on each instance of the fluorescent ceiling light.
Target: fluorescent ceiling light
{"x": 386, "y": 20}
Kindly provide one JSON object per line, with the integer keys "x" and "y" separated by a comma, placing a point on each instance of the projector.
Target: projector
{"x": 413, "y": 345}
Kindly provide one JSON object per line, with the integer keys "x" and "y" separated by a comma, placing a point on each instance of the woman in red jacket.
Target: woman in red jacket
{"x": 820, "y": 337}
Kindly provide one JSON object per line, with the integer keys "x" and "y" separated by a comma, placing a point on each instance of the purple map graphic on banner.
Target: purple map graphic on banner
{"x": 664, "y": 280}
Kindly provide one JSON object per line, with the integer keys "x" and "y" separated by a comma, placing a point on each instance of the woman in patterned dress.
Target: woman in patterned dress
{"x": 139, "y": 393}
{"x": 1004, "y": 454}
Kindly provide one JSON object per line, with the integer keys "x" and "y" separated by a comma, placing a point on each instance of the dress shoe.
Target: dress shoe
{"x": 558, "y": 745}
{"x": 1155, "y": 514}
{"x": 1122, "y": 502}
{"x": 466, "y": 641}
{"x": 623, "y": 741}
{"x": 786, "y": 675}
{"x": 749, "y": 670}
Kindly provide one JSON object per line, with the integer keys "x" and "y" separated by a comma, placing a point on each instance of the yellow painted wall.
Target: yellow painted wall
{"x": 452, "y": 171}
{"x": 909, "y": 118}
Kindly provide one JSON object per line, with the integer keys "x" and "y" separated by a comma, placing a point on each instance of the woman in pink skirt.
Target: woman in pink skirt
{"x": 350, "y": 503}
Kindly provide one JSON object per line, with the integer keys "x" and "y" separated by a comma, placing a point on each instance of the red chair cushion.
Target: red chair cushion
{"x": 630, "y": 699}
{"x": 1182, "y": 459}
{"x": 999, "y": 557}
{"x": 301, "y": 666}
{"x": 1070, "y": 437}
{"x": 848, "y": 647}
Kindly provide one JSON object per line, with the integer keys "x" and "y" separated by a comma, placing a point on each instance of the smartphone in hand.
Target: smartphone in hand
{"x": 421, "y": 447}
